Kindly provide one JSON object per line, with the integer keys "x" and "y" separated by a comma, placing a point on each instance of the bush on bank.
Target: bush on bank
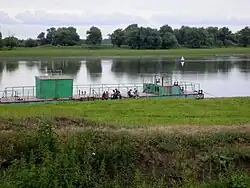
{"x": 94, "y": 158}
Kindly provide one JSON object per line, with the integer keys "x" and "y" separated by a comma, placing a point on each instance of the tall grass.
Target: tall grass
{"x": 88, "y": 144}
{"x": 47, "y": 158}
{"x": 141, "y": 112}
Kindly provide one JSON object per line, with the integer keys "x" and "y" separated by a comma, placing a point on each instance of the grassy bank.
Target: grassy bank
{"x": 143, "y": 112}
{"x": 169, "y": 143}
{"x": 79, "y": 52}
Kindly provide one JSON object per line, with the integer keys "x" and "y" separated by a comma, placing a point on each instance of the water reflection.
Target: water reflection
{"x": 12, "y": 66}
{"x": 134, "y": 67}
{"x": 222, "y": 78}
{"x": 31, "y": 64}
{"x": 152, "y": 67}
{"x": 94, "y": 69}
{"x": 2, "y": 66}
{"x": 205, "y": 67}
{"x": 243, "y": 66}
{"x": 69, "y": 67}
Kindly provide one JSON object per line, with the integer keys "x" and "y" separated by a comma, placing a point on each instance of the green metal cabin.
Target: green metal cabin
{"x": 54, "y": 87}
{"x": 163, "y": 86}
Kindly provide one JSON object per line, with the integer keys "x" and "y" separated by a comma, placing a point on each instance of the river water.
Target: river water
{"x": 218, "y": 78}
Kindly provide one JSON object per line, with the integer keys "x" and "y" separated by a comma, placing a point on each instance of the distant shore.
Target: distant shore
{"x": 120, "y": 53}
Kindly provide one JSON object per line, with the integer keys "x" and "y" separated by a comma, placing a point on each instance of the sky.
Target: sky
{"x": 27, "y": 18}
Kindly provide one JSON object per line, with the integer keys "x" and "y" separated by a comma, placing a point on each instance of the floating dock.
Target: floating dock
{"x": 57, "y": 87}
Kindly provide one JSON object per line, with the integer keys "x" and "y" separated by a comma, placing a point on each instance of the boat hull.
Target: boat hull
{"x": 77, "y": 98}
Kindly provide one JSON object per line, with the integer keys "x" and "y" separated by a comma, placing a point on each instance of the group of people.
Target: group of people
{"x": 133, "y": 94}
{"x": 117, "y": 94}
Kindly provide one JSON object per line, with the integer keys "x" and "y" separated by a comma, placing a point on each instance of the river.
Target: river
{"x": 218, "y": 78}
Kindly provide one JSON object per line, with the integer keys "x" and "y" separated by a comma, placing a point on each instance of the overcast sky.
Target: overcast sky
{"x": 26, "y": 18}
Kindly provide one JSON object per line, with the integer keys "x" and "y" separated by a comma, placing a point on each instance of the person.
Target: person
{"x": 182, "y": 89}
{"x": 119, "y": 96}
{"x": 130, "y": 95}
{"x": 105, "y": 95}
{"x": 114, "y": 95}
{"x": 136, "y": 94}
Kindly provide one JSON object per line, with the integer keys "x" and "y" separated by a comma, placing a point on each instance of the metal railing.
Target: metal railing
{"x": 21, "y": 91}
{"x": 89, "y": 90}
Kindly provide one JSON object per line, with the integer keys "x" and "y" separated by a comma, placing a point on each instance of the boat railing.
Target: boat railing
{"x": 89, "y": 90}
{"x": 21, "y": 91}
{"x": 86, "y": 90}
{"x": 189, "y": 86}
{"x": 100, "y": 88}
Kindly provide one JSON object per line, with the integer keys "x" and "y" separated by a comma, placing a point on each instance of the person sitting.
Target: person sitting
{"x": 119, "y": 95}
{"x": 130, "y": 95}
{"x": 114, "y": 95}
{"x": 136, "y": 94}
{"x": 105, "y": 96}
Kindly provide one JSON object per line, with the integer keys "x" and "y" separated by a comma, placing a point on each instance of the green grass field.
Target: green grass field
{"x": 83, "y": 52}
{"x": 154, "y": 143}
{"x": 143, "y": 112}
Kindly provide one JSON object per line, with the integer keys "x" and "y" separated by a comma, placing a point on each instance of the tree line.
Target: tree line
{"x": 137, "y": 37}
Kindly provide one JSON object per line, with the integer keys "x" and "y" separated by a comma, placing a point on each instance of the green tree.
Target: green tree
{"x": 94, "y": 36}
{"x": 226, "y": 36}
{"x": 213, "y": 35}
{"x": 169, "y": 40}
{"x": 130, "y": 27}
{"x": 166, "y": 28}
{"x": 66, "y": 36}
{"x": 195, "y": 37}
{"x": 11, "y": 42}
{"x": 50, "y": 37}
{"x": 118, "y": 37}
{"x": 142, "y": 38}
{"x": 244, "y": 36}
{"x": 150, "y": 38}
{"x": 132, "y": 37}
{"x": 30, "y": 43}
{"x": 42, "y": 39}
{"x": 180, "y": 34}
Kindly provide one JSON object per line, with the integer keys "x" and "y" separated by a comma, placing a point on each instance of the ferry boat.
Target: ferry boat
{"x": 54, "y": 86}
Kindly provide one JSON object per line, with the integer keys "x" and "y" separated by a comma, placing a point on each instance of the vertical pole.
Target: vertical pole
{"x": 89, "y": 90}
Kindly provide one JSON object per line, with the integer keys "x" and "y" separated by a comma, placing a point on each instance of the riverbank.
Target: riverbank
{"x": 121, "y": 53}
{"x": 126, "y": 143}
{"x": 142, "y": 112}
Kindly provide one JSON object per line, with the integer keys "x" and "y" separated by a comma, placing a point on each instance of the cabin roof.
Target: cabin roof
{"x": 54, "y": 77}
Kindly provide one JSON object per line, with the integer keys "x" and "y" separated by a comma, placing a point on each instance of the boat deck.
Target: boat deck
{"x": 77, "y": 98}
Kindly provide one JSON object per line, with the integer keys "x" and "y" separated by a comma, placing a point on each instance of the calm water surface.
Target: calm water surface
{"x": 223, "y": 78}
